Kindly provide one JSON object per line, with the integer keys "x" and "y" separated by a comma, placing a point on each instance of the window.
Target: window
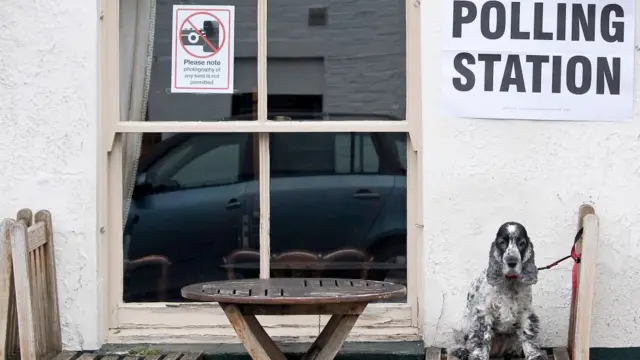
{"x": 314, "y": 147}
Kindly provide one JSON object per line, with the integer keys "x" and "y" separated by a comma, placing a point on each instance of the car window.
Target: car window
{"x": 401, "y": 145}
{"x": 217, "y": 166}
{"x": 202, "y": 160}
{"x": 302, "y": 154}
{"x": 309, "y": 154}
{"x": 170, "y": 161}
{"x": 356, "y": 154}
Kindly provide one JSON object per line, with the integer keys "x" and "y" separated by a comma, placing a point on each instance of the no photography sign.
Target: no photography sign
{"x": 202, "y": 49}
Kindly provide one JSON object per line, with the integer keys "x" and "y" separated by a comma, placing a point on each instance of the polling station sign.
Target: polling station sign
{"x": 202, "y": 49}
{"x": 539, "y": 60}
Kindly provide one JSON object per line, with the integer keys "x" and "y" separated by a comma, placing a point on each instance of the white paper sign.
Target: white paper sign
{"x": 202, "y": 49}
{"x": 539, "y": 60}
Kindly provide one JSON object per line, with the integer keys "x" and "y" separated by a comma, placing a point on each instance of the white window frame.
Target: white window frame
{"x": 205, "y": 322}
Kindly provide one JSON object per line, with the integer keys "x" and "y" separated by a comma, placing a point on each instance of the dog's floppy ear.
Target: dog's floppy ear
{"x": 494, "y": 271}
{"x": 529, "y": 268}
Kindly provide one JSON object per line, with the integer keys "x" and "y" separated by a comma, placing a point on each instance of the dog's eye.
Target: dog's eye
{"x": 502, "y": 242}
{"x": 522, "y": 243}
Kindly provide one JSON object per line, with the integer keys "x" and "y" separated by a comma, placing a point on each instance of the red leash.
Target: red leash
{"x": 574, "y": 256}
{"x": 576, "y": 261}
{"x": 574, "y": 271}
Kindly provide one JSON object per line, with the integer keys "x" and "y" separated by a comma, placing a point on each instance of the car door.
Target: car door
{"x": 191, "y": 209}
{"x": 326, "y": 190}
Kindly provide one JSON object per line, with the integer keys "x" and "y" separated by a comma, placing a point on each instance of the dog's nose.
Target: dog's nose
{"x": 512, "y": 262}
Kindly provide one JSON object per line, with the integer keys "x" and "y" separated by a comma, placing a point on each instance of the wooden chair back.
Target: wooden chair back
{"x": 9, "y": 338}
{"x": 292, "y": 257}
{"x": 238, "y": 256}
{"x": 35, "y": 285}
{"x": 153, "y": 260}
{"x": 349, "y": 255}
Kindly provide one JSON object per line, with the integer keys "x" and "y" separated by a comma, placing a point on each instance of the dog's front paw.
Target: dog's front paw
{"x": 538, "y": 356}
{"x": 479, "y": 355}
{"x": 458, "y": 353}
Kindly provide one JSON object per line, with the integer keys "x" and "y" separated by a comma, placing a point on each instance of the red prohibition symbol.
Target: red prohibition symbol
{"x": 195, "y": 37}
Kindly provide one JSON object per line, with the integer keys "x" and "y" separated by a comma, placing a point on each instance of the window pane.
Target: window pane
{"x": 191, "y": 212}
{"x": 225, "y": 86}
{"x": 401, "y": 144}
{"x": 338, "y": 206}
{"x": 350, "y": 54}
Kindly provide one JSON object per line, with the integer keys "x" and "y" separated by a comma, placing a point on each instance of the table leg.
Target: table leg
{"x": 332, "y": 337}
{"x": 253, "y": 336}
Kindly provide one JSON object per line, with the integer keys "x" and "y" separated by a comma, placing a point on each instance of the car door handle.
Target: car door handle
{"x": 233, "y": 204}
{"x": 366, "y": 194}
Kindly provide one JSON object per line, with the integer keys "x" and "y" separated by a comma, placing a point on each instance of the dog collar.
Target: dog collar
{"x": 511, "y": 276}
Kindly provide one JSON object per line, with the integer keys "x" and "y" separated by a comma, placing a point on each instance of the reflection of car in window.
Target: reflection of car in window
{"x": 195, "y": 192}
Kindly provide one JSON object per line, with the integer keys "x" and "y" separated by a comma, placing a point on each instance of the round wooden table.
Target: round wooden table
{"x": 343, "y": 299}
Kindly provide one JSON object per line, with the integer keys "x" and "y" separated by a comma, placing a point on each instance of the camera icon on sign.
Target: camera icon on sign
{"x": 210, "y": 30}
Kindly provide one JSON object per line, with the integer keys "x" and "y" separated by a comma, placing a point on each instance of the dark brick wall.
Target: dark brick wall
{"x": 362, "y": 49}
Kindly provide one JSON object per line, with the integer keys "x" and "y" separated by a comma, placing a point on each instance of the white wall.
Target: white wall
{"x": 481, "y": 173}
{"x": 48, "y": 117}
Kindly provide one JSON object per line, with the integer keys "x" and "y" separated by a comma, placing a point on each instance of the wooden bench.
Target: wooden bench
{"x": 582, "y": 296}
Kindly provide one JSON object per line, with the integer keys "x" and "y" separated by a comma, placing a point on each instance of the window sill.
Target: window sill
{"x": 372, "y": 350}
{"x": 226, "y": 335}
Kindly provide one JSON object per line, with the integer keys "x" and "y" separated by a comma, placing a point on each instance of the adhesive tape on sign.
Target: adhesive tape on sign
{"x": 193, "y": 37}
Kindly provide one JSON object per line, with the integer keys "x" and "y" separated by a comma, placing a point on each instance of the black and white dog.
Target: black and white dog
{"x": 498, "y": 320}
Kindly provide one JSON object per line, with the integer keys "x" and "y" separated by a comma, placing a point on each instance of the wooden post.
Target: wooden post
{"x": 588, "y": 248}
{"x": 584, "y": 210}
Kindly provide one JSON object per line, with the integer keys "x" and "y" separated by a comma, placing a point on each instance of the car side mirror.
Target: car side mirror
{"x": 141, "y": 179}
{"x": 142, "y": 187}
